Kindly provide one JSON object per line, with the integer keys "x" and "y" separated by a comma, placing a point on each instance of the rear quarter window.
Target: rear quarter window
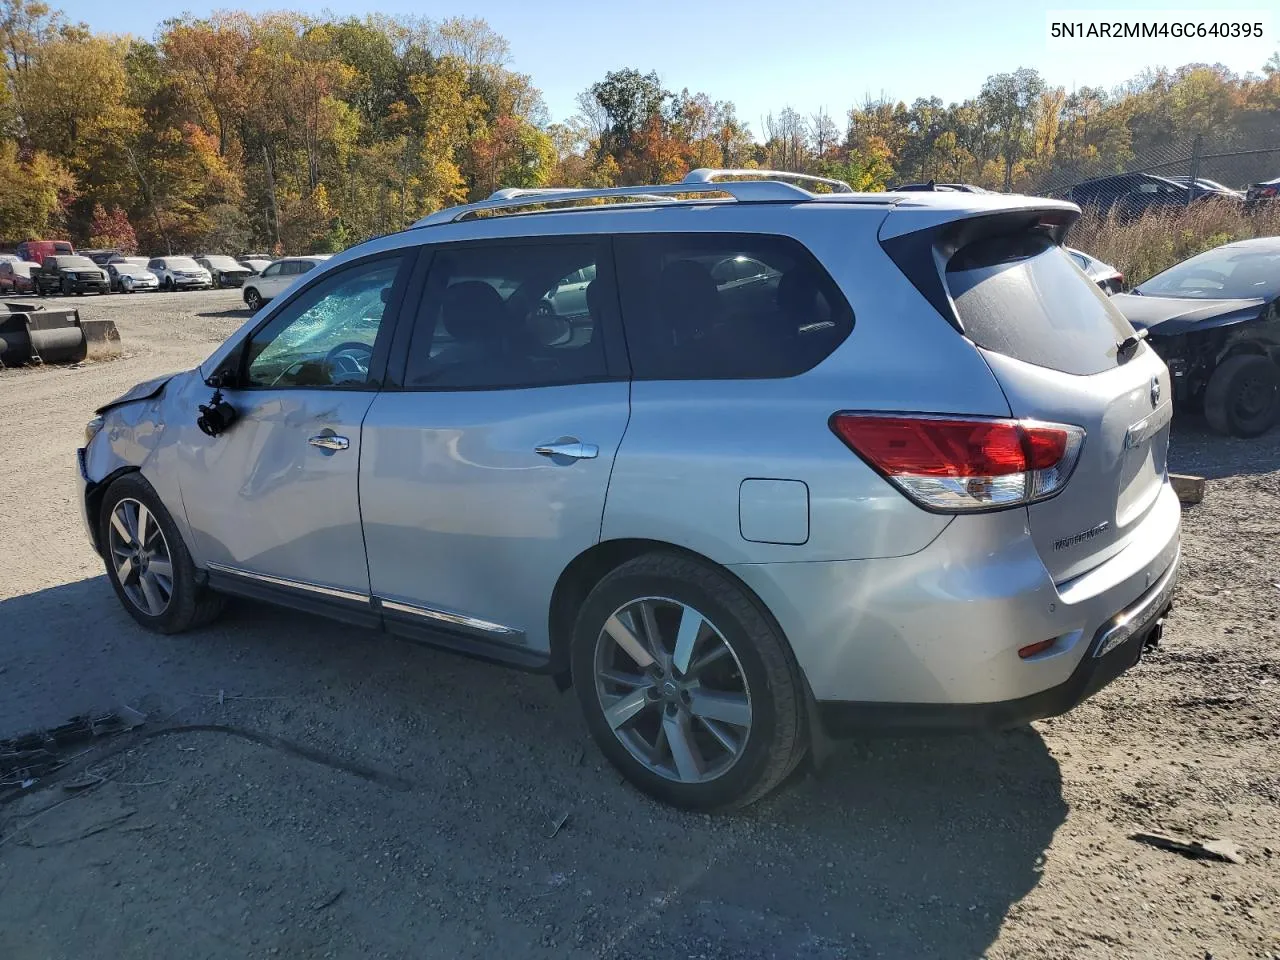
{"x": 711, "y": 306}
{"x": 1022, "y": 297}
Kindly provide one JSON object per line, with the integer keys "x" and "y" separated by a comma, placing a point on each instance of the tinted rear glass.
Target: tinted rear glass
{"x": 1023, "y": 297}
{"x": 726, "y": 306}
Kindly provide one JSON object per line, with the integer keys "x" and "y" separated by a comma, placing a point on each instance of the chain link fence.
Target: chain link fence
{"x": 1234, "y": 158}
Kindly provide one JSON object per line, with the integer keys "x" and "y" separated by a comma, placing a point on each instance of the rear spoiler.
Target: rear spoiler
{"x": 922, "y": 255}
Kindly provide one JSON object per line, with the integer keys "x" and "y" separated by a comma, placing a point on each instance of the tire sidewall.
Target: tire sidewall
{"x": 177, "y": 615}
{"x": 1220, "y": 398}
{"x": 615, "y": 591}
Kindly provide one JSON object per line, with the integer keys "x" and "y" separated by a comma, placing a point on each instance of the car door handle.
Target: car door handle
{"x": 329, "y": 441}
{"x": 573, "y": 449}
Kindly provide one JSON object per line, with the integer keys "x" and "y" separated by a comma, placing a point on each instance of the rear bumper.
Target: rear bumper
{"x": 910, "y": 641}
{"x": 1117, "y": 646}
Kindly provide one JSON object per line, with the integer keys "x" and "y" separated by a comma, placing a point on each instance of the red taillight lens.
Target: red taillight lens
{"x": 958, "y": 464}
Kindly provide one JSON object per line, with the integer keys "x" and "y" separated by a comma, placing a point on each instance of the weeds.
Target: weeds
{"x": 1142, "y": 248}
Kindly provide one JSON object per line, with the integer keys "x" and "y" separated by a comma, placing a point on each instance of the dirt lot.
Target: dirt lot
{"x": 333, "y": 793}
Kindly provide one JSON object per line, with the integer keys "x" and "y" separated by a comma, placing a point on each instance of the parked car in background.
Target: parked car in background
{"x": 130, "y": 277}
{"x": 225, "y": 271}
{"x": 100, "y": 257}
{"x": 1210, "y": 186}
{"x": 17, "y": 276}
{"x": 1108, "y": 278}
{"x": 1131, "y": 195}
{"x": 34, "y": 251}
{"x": 935, "y": 187}
{"x": 1215, "y": 320}
{"x": 70, "y": 274}
{"x": 1267, "y": 190}
{"x": 277, "y": 277}
{"x": 897, "y": 467}
{"x": 180, "y": 273}
{"x": 256, "y": 265}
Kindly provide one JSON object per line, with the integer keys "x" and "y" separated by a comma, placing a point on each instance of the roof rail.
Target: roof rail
{"x": 712, "y": 175}
{"x": 514, "y": 199}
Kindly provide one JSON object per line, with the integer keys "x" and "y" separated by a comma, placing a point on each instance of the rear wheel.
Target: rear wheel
{"x": 147, "y": 562}
{"x": 687, "y": 686}
{"x": 1243, "y": 396}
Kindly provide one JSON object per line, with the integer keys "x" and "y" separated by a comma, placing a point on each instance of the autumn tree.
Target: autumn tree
{"x": 112, "y": 230}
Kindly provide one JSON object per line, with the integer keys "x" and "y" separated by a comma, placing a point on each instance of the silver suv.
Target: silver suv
{"x": 795, "y": 465}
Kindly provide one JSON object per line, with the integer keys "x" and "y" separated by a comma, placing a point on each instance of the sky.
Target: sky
{"x": 765, "y": 54}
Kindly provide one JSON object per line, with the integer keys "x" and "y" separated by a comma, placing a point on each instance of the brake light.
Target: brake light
{"x": 964, "y": 464}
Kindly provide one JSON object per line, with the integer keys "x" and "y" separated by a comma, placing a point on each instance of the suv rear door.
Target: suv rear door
{"x": 485, "y": 466}
{"x": 1053, "y": 341}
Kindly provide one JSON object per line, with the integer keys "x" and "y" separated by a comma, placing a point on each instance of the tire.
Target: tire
{"x": 1243, "y": 396}
{"x": 189, "y": 604}
{"x": 167, "y": 285}
{"x": 773, "y": 741}
{"x": 253, "y": 299}
{"x": 66, "y": 288}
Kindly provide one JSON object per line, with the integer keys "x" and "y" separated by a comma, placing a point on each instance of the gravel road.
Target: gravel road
{"x": 329, "y": 792}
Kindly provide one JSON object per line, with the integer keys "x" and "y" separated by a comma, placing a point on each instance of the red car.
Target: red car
{"x": 15, "y": 276}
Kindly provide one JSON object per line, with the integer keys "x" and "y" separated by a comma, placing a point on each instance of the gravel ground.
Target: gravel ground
{"x": 329, "y": 792}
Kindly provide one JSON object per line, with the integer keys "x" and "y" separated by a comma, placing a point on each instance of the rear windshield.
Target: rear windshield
{"x": 1023, "y": 297}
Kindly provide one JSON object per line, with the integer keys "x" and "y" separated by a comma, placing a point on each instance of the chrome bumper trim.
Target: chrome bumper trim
{"x": 1137, "y": 617}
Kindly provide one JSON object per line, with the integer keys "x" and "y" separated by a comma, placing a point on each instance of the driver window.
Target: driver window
{"x": 499, "y": 316}
{"x": 325, "y": 336}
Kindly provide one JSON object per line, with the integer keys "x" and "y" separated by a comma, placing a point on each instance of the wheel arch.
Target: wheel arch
{"x": 93, "y": 494}
{"x": 591, "y": 566}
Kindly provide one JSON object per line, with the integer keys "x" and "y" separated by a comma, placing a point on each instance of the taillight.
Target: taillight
{"x": 964, "y": 464}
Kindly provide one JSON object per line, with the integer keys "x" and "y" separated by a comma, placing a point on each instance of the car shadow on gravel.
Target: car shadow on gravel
{"x": 516, "y": 832}
{"x": 223, "y": 314}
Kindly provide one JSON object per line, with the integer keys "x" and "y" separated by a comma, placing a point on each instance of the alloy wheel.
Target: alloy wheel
{"x": 140, "y": 556}
{"x": 672, "y": 690}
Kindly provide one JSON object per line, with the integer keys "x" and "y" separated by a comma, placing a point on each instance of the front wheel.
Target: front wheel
{"x": 253, "y": 299}
{"x": 1243, "y": 396}
{"x": 688, "y": 687}
{"x": 147, "y": 563}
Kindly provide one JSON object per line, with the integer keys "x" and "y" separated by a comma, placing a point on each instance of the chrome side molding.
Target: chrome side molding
{"x": 288, "y": 584}
{"x": 453, "y": 619}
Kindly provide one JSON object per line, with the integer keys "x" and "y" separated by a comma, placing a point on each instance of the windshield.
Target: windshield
{"x": 132, "y": 269}
{"x": 75, "y": 262}
{"x": 181, "y": 263}
{"x": 1227, "y": 273}
{"x": 223, "y": 263}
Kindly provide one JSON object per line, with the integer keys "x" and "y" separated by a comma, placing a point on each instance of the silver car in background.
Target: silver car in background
{"x": 180, "y": 273}
{"x": 789, "y": 465}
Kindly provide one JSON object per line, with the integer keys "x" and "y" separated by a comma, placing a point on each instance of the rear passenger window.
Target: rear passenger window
{"x": 726, "y": 306}
{"x": 499, "y": 316}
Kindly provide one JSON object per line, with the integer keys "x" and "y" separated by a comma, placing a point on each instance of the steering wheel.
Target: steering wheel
{"x": 350, "y": 358}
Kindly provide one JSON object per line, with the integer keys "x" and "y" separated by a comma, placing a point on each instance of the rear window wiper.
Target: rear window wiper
{"x": 1126, "y": 347}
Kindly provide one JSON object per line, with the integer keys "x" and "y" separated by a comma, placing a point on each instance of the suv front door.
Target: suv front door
{"x": 485, "y": 473}
{"x": 272, "y": 502}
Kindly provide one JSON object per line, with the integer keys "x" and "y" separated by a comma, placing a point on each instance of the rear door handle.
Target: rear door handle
{"x": 329, "y": 441}
{"x": 573, "y": 449}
